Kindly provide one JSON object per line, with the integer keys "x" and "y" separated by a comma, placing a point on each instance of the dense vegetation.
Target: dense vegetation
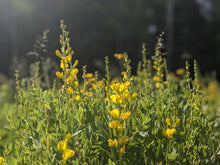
{"x": 155, "y": 117}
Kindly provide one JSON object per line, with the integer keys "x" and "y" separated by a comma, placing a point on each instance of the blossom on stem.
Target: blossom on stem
{"x": 113, "y": 143}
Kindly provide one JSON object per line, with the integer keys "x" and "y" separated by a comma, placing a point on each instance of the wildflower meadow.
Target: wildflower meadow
{"x": 155, "y": 117}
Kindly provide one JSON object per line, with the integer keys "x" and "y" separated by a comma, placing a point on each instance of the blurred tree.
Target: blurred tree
{"x": 101, "y": 28}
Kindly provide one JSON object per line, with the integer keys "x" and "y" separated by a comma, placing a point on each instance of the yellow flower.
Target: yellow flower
{"x": 122, "y": 88}
{"x": 165, "y": 82}
{"x": 74, "y": 71}
{"x": 43, "y": 141}
{"x": 123, "y": 140}
{"x": 75, "y": 63}
{"x": 100, "y": 83}
{"x": 157, "y": 85}
{"x": 84, "y": 98}
{"x": 126, "y": 84}
{"x": 122, "y": 150}
{"x": 60, "y": 75}
{"x": 93, "y": 86}
{"x": 169, "y": 132}
{"x": 67, "y": 71}
{"x": 70, "y": 90}
{"x": 89, "y": 75}
{"x": 180, "y": 71}
{"x": 123, "y": 73}
{"x": 67, "y": 154}
{"x": 116, "y": 125}
{"x": 177, "y": 122}
{"x": 76, "y": 83}
{"x": 114, "y": 113}
{"x": 1, "y": 160}
{"x": 126, "y": 95}
{"x": 62, "y": 65}
{"x": 156, "y": 78}
{"x": 125, "y": 115}
{"x": 57, "y": 52}
{"x": 134, "y": 95}
{"x": 68, "y": 58}
{"x": 69, "y": 80}
{"x": 68, "y": 137}
{"x": 62, "y": 145}
{"x": 0, "y": 138}
{"x": 168, "y": 121}
{"x": 120, "y": 127}
{"x": 113, "y": 143}
{"x": 116, "y": 99}
{"x": 78, "y": 98}
{"x": 115, "y": 87}
{"x": 91, "y": 79}
{"x": 119, "y": 56}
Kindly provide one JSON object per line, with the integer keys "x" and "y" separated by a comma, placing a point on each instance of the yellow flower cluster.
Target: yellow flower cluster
{"x": 180, "y": 71}
{"x": 122, "y": 141}
{"x": 116, "y": 125}
{"x": 89, "y": 78}
{"x": 170, "y": 132}
{"x": 113, "y": 143}
{"x": 119, "y": 143}
{"x": 123, "y": 97}
{"x": 122, "y": 93}
{"x": 123, "y": 116}
{"x": 69, "y": 73}
{"x": 159, "y": 68}
{"x": 62, "y": 146}
{"x": 120, "y": 55}
{"x": 91, "y": 84}
{"x": 1, "y": 160}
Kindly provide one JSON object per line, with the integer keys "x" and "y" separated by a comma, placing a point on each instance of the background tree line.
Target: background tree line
{"x": 100, "y": 28}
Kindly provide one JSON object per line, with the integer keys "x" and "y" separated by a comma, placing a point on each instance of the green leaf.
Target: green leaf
{"x": 76, "y": 133}
{"x": 143, "y": 133}
{"x": 110, "y": 162}
{"x": 12, "y": 161}
{"x": 172, "y": 155}
{"x": 148, "y": 146}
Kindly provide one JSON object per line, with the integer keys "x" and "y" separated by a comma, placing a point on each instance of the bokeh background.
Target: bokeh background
{"x": 100, "y": 28}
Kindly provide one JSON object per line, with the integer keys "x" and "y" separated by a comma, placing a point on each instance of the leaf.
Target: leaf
{"x": 76, "y": 133}
{"x": 172, "y": 155}
{"x": 12, "y": 161}
{"x": 143, "y": 133}
{"x": 110, "y": 162}
{"x": 148, "y": 146}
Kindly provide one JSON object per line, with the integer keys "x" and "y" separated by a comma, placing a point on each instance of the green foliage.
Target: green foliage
{"x": 155, "y": 117}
